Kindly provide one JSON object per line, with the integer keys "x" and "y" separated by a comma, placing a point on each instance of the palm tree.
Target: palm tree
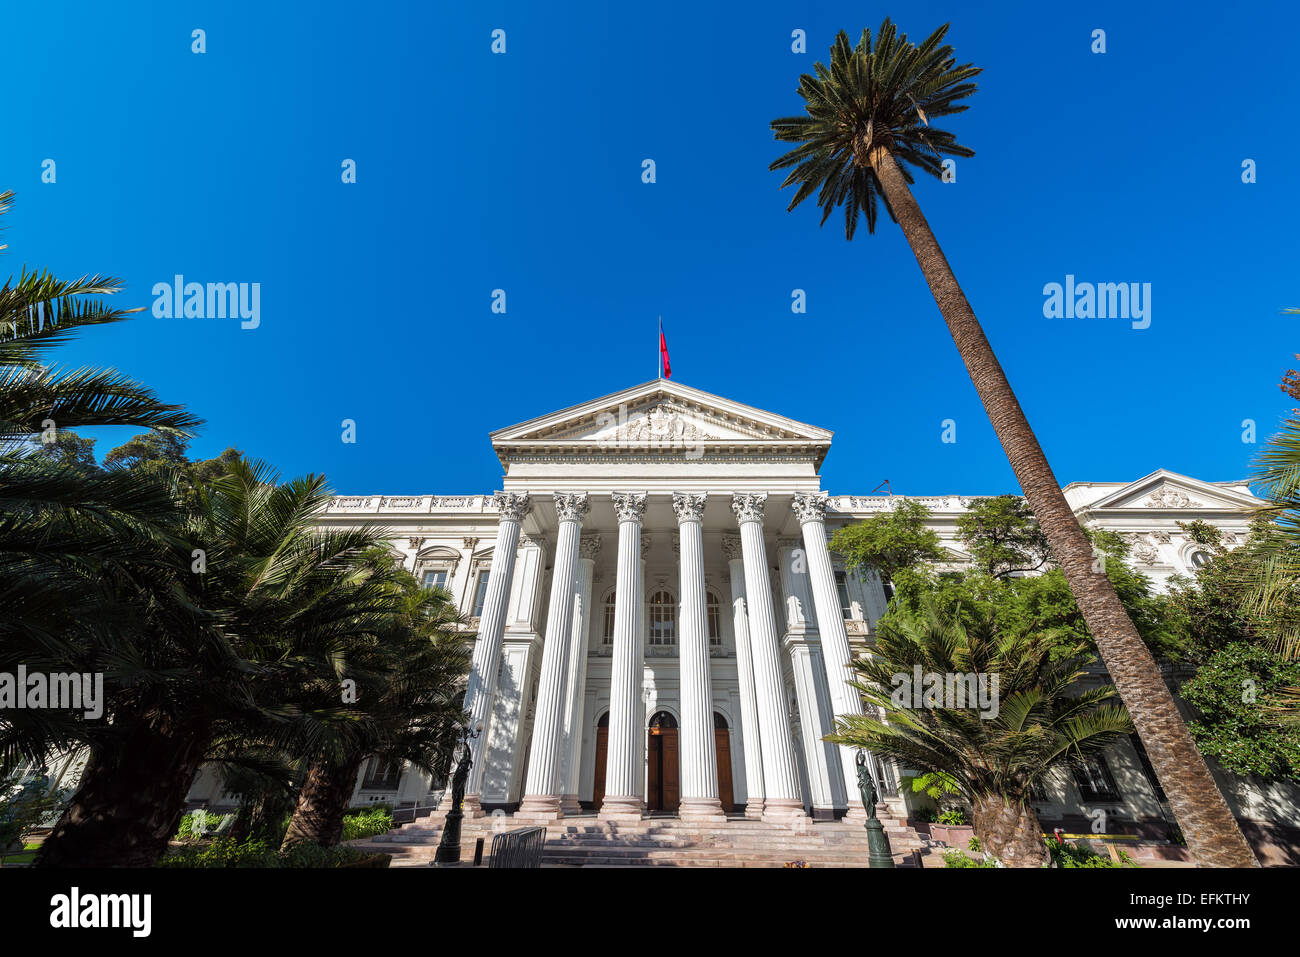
{"x": 213, "y": 650}
{"x": 867, "y": 122}
{"x": 59, "y": 519}
{"x": 409, "y": 708}
{"x": 994, "y": 762}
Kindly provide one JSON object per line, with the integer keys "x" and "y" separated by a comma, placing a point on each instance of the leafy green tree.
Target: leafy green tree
{"x": 1042, "y": 719}
{"x": 1002, "y": 537}
{"x": 891, "y": 542}
{"x": 1235, "y": 690}
{"x": 69, "y": 448}
{"x": 868, "y": 124}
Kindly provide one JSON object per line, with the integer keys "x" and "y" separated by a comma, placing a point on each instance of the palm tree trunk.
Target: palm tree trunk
{"x": 1009, "y": 831}
{"x": 1212, "y": 833}
{"x": 322, "y": 803}
{"x": 130, "y": 801}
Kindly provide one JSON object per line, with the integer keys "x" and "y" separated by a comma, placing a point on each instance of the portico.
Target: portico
{"x": 689, "y": 647}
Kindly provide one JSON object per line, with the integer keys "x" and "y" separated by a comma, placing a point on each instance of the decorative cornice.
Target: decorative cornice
{"x": 571, "y": 506}
{"x": 629, "y": 506}
{"x": 748, "y": 506}
{"x": 512, "y": 505}
{"x": 689, "y": 506}
{"x": 808, "y": 507}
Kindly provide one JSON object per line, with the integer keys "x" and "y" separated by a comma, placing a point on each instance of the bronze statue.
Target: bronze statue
{"x": 449, "y": 845}
{"x": 459, "y": 779}
{"x": 866, "y": 785}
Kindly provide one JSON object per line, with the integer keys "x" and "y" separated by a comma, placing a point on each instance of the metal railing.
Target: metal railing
{"x": 519, "y": 848}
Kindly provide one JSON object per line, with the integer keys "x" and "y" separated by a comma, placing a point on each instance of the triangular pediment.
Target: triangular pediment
{"x": 1170, "y": 491}
{"x": 658, "y": 410}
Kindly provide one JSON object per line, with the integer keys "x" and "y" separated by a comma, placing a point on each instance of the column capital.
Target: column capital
{"x": 589, "y": 546}
{"x": 731, "y": 547}
{"x": 571, "y": 506}
{"x": 512, "y": 505}
{"x": 629, "y": 506}
{"x": 809, "y": 507}
{"x": 689, "y": 506}
{"x": 748, "y": 506}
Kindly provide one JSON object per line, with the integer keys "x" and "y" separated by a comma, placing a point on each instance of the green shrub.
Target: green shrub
{"x": 954, "y": 816}
{"x": 185, "y": 832}
{"x": 255, "y": 853}
{"x": 958, "y": 859}
{"x": 1082, "y": 855}
{"x": 367, "y": 822}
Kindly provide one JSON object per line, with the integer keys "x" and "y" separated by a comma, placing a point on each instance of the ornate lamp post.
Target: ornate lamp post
{"x": 879, "y": 854}
{"x": 449, "y": 845}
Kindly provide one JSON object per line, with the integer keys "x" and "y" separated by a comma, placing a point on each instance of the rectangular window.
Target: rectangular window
{"x": 609, "y": 620}
{"x": 714, "y": 613}
{"x": 1094, "y": 779}
{"x": 436, "y": 578}
{"x": 480, "y": 593}
{"x": 381, "y": 775}
{"x": 842, "y": 588}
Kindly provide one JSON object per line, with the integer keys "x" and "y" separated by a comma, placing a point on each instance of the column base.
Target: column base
{"x": 630, "y": 808}
{"x": 784, "y": 811}
{"x": 754, "y": 809}
{"x": 701, "y": 809}
{"x": 540, "y": 807}
{"x": 570, "y": 805}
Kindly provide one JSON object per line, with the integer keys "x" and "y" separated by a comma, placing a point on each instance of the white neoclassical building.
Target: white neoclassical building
{"x": 661, "y": 628}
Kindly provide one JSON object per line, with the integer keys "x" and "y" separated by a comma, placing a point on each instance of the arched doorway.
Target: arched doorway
{"x": 663, "y": 789}
{"x": 722, "y": 744}
{"x": 662, "y": 768}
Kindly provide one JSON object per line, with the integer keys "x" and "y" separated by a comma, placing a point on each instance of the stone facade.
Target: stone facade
{"x": 658, "y": 557}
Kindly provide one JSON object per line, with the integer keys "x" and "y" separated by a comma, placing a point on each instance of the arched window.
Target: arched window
{"x": 609, "y": 619}
{"x": 663, "y": 721}
{"x": 713, "y": 608}
{"x": 663, "y": 619}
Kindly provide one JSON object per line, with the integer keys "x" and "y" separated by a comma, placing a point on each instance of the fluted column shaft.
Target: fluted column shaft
{"x": 576, "y": 685}
{"x": 486, "y": 659}
{"x": 625, "y": 757}
{"x": 543, "y": 790}
{"x": 810, "y": 510}
{"x": 745, "y": 677}
{"x": 696, "y": 741}
{"x": 782, "y": 799}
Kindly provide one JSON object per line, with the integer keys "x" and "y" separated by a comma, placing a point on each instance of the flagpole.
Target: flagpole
{"x": 659, "y": 358}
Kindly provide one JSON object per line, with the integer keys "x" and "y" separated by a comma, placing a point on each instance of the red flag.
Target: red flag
{"x": 663, "y": 354}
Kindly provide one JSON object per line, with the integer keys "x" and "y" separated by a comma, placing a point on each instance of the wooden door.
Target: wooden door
{"x": 602, "y": 751}
{"x": 669, "y": 771}
{"x": 654, "y": 762}
{"x": 722, "y": 742}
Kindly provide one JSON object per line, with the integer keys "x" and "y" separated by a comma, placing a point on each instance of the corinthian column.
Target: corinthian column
{"x": 782, "y": 800}
{"x": 749, "y": 732}
{"x": 481, "y": 685}
{"x": 625, "y": 759}
{"x": 811, "y": 513}
{"x": 543, "y": 791}
{"x": 575, "y": 687}
{"x": 697, "y": 743}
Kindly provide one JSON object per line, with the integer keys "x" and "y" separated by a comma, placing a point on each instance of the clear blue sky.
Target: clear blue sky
{"x": 523, "y": 172}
